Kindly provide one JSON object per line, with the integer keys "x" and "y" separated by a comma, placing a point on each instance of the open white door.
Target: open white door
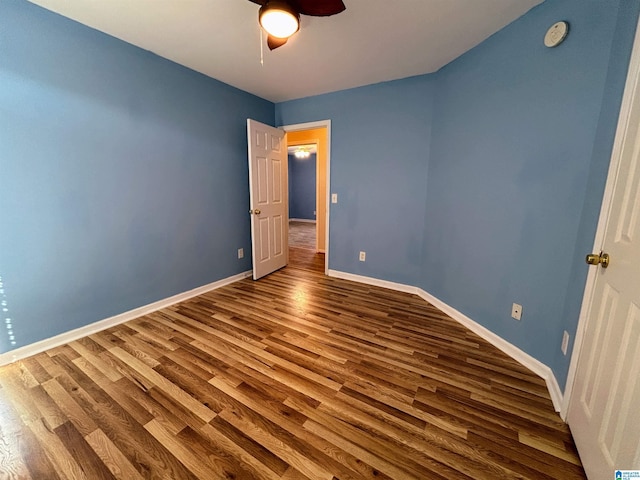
{"x": 604, "y": 406}
{"x": 268, "y": 197}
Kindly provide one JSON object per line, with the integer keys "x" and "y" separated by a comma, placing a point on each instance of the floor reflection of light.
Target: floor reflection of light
{"x": 300, "y": 298}
{"x": 5, "y": 313}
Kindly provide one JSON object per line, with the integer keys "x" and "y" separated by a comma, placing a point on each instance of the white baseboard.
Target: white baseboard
{"x": 555, "y": 392}
{"x": 303, "y": 220}
{"x": 514, "y": 352}
{"x": 70, "y": 336}
{"x": 400, "y": 287}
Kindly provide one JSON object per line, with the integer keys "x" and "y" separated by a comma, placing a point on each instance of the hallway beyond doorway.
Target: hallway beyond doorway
{"x": 302, "y": 234}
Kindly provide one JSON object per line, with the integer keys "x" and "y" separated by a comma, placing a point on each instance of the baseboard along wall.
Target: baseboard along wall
{"x": 72, "y": 335}
{"x": 303, "y": 220}
{"x": 514, "y": 352}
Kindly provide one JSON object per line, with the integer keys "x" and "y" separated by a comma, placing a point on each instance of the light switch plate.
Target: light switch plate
{"x": 334, "y": 198}
{"x": 565, "y": 342}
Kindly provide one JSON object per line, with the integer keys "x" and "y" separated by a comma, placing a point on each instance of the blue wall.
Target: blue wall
{"x": 302, "y": 187}
{"x": 512, "y": 151}
{"x": 506, "y": 151}
{"x": 123, "y": 175}
{"x": 379, "y": 156}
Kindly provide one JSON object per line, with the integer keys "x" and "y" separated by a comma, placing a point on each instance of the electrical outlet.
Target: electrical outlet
{"x": 565, "y": 342}
{"x": 334, "y": 198}
{"x": 363, "y": 256}
{"x": 516, "y": 311}
{"x": 241, "y": 253}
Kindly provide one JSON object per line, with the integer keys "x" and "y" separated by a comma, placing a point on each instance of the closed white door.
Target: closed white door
{"x": 604, "y": 408}
{"x": 268, "y": 192}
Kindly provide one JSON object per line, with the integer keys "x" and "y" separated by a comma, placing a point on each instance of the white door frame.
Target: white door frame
{"x": 309, "y": 126}
{"x": 633, "y": 76}
{"x": 308, "y": 142}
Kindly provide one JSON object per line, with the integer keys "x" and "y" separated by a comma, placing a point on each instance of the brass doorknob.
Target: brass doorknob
{"x": 256, "y": 211}
{"x": 598, "y": 259}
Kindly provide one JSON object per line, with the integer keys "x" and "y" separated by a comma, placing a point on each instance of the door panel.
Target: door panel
{"x": 265, "y": 250}
{"x": 263, "y": 188}
{"x": 276, "y": 188}
{"x": 615, "y": 429}
{"x": 278, "y": 226}
{"x": 268, "y": 198}
{"x": 596, "y": 376}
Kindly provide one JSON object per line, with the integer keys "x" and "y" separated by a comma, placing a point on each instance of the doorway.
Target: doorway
{"x": 314, "y": 136}
{"x": 302, "y": 181}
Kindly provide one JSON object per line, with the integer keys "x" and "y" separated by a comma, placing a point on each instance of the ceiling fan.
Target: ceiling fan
{"x": 281, "y": 18}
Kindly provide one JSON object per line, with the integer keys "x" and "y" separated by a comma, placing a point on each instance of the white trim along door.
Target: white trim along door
{"x": 310, "y": 126}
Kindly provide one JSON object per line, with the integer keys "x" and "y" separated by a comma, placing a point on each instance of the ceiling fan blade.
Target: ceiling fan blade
{"x": 275, "y": 42}
{"x": 259, "y": 2}
{"x": 319, "y": 8}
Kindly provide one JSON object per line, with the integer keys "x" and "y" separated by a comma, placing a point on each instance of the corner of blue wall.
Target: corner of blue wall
{"x": 124, "y": 175}
{"x": 510, "y": 144}
{"x": 522, "y": 138}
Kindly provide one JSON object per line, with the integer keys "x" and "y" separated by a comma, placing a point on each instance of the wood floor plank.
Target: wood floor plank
{"x": 281, "y": 416}
{"x": 165, "y": 385}
{"x": 230, "y": 462}
{"x": 83, "y": 454}
{"x": 398, "y": 463}
{"x": 382, "y": 467}
{"x": 142, "y": 450}
{"x": 12, "y": 465}
{"x": 273, "y": 443}
{"x": 88, "y": 356}
{"x": 297, "y": 376}
{"x": 181, "y": 451}
{"x": 62, "y": 462}
{"x": 69, "y": 407}
{"x": 111, "y": 456}
{"x": 262, "y": 460}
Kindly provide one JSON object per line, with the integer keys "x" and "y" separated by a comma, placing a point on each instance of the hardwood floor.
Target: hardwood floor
{"x": 296, "y": 376}
{"x": 302, "y": 234}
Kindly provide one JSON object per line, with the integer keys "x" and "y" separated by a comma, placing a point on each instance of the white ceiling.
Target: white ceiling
{"x": 372, "y": 41}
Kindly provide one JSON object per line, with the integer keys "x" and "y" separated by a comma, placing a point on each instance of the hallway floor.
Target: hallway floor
{"x": 302, "y": 234}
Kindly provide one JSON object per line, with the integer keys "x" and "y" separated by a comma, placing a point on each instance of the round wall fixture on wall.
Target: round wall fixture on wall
{"x": 556, "y": 34}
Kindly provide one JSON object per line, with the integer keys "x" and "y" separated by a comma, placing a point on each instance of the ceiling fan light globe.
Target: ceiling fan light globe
{"x": 279, "y": 20}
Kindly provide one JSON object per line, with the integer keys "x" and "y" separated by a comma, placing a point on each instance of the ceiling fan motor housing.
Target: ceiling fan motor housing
{"x": 281, "y": 18}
